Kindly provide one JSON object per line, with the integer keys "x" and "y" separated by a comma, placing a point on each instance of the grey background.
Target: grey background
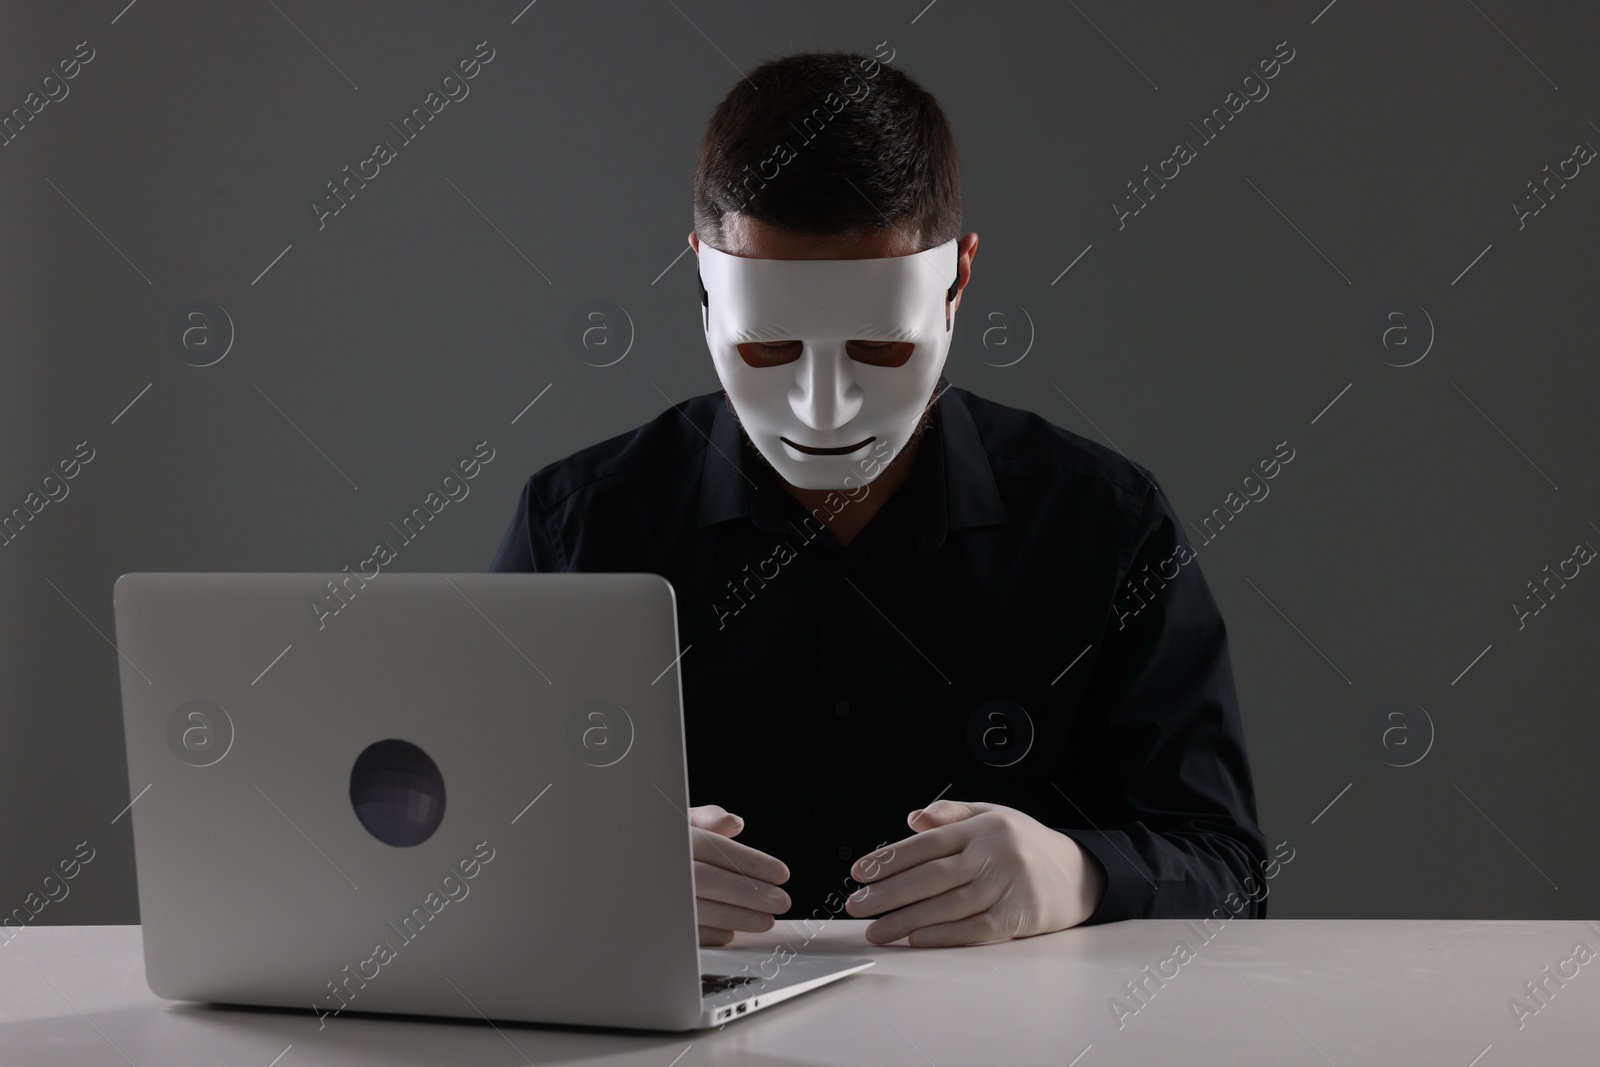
{"x": 1251, "y": 294}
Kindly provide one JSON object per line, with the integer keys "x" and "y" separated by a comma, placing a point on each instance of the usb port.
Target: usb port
{"x": 740, "y": 1009}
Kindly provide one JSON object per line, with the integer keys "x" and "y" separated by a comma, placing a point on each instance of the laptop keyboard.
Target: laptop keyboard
{"x": 717, "y": 983}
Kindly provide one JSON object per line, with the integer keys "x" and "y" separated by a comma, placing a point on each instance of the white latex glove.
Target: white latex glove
{"x": 975, "y": 872}
{"x": 735, "y": 886}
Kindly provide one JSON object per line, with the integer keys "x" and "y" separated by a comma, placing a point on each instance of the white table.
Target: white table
{"x": 1281, "y": 991}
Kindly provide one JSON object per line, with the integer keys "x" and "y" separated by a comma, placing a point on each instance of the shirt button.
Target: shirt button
{"x": 842, "y": 708}
{"x": 844, "y": 852}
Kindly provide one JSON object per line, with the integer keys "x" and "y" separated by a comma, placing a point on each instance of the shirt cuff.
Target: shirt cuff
{"x": 1129, "y": 889}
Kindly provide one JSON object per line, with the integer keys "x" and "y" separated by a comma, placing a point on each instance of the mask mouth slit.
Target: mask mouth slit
{"x": 845, "y": 451}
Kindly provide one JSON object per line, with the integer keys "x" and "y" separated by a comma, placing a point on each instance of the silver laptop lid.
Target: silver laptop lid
{"x": 457, "y": 794}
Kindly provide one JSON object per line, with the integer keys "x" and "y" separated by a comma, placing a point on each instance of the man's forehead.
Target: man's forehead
{"x": 880, "y": 298}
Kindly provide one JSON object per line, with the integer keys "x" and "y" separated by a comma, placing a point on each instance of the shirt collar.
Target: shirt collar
{"x": 963, "y": 480}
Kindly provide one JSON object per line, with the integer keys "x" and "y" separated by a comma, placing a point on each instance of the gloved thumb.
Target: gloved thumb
{"x": 717, "y": 819}
{"x": 942, "y": 813}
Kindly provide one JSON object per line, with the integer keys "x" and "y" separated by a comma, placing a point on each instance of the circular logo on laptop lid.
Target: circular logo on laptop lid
{"x": 397, "y": 792}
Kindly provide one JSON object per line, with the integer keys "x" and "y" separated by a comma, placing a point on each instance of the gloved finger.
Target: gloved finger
{"x": 714, "y": 883}
{"x": 995, "y": 924}
{"x": 906, "y": 853}
{"x": 712, "y": 936}
{"x": 716, "y": 818}
{"x": 919, "y": 883}
{"x": 734, "y": 856}
{"x": 722, "y": 916}
{"x": 960, "y": 903}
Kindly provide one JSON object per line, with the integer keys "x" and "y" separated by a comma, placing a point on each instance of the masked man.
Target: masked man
{"x": 903, "y": 606}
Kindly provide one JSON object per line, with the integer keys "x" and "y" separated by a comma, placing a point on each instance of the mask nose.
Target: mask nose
{"x": 825, "y": 394}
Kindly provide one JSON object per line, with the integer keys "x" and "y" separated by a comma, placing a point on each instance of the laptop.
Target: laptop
{"x": 437, "y": 794}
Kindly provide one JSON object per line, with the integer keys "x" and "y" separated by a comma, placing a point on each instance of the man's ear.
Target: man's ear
{"x": 966, "y": 252}
{"x": 699, "y": 282}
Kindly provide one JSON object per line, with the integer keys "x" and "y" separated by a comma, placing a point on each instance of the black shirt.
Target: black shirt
{"x": 1021, "y": 623}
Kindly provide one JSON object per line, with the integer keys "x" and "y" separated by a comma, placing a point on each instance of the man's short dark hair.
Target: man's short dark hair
{"x": 829, "y": 144}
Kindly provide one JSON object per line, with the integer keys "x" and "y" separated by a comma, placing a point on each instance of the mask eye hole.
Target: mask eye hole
{"x": 880, "y": 353}
{"x": 873, "y": 353}
{"x": 761, "y": 354}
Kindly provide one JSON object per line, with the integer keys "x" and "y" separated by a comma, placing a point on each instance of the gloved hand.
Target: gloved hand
{"x": 735, "y": 886}
{"x": 975, "y": 872}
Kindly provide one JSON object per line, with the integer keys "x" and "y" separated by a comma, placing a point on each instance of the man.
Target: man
{"x": 891, "y": 592}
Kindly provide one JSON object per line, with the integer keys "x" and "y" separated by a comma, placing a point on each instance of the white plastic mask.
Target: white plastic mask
{"x": 824, "y": 335}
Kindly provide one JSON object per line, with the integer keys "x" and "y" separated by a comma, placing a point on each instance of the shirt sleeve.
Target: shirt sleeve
{"x": 1156, "y": 778}
{"x": 528, "y": 544}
